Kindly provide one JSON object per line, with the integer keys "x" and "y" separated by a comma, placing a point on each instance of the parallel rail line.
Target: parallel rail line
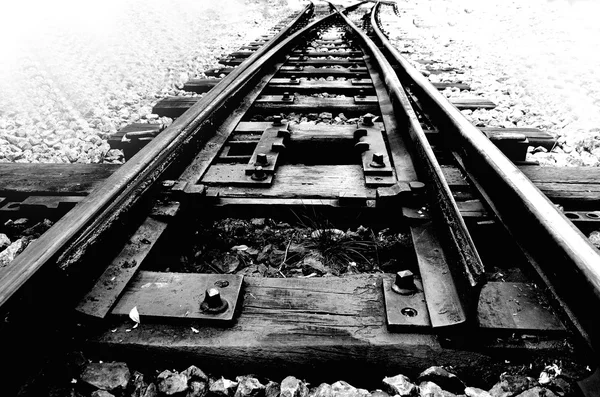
{"x": 236, "y": 149}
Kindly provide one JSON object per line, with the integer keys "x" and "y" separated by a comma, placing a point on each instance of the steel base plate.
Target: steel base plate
{"x": 179, "y": 295}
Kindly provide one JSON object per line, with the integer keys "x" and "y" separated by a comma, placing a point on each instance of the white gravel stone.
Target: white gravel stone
{"x": 4, "y": 241}
{"x": 541, "y": 72}
{"x": 87, "y": 69}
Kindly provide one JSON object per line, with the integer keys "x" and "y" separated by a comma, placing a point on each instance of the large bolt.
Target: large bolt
{"x": 262, "y": 159}
{"x": 298, "y": 67}
{"x": 361, "y": 94}
{"x": 293, "y": 79}
{"x": 404, "y": 283}
{"x": 286, "y": 96}
{"x": 368, "y": 119}
{"x": 377, "y": 161}
{"x": 213, "y": 303}
{"x": 259, "y": 174}
{"x": 277, "y": 120}
{"x": 416, "y": 187}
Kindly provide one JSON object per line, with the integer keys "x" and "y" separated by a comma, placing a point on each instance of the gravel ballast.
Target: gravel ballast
{"x": 535, "y": 59}
{"x": 77, "y": 72}
{"x": 92, "y": 378}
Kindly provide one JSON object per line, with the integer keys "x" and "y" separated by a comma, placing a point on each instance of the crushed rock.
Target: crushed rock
{"x": 507, "y": 66}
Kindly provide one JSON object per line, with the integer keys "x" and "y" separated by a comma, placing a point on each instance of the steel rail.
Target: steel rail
{"x": 70, "y": 237}
{"x": 562, "y": 255}
{"x": 466, "y": 266}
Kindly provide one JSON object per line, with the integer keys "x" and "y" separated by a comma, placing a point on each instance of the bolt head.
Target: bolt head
{"x": 277, "y": 120}
{"x": 377, "y": 161}
{"x": 262, "y": 159}
{"x": 416, "y": 186}
{"x": 212, "y": 297}
{"x": 404, "y": 283}
{"x": 259, "y": 174}
{"x": 213, "y": 303}
{"x": 368, "y": 119}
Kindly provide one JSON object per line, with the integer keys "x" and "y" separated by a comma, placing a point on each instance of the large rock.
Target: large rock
{"x": 195, "y": 373}
{"x": 10, "y": 252}
{"x": 444, "y": 379}
{"x": 222, "y": 387}
{"x": 511, "y": 385}
{"x": 430, "y": 389}
{"x": 170, "y": 383}
{"x": 272, "y": 389}
{"x": 323, "y": 390}
{"x": 106, "y": 376}
{"x": 248, "y": 387}
{"x": 4, "y": 241}
{"x": 343, "y": 389}
{"x": 293, "y": 387}
{"x": 399, "y": 385}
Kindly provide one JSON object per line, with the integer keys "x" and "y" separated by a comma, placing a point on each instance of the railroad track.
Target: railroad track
{"x": 388, "y": 151}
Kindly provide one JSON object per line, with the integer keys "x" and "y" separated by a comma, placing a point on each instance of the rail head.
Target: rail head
{"x": 468, "y": 269}
{"x": 561, "y": 252}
